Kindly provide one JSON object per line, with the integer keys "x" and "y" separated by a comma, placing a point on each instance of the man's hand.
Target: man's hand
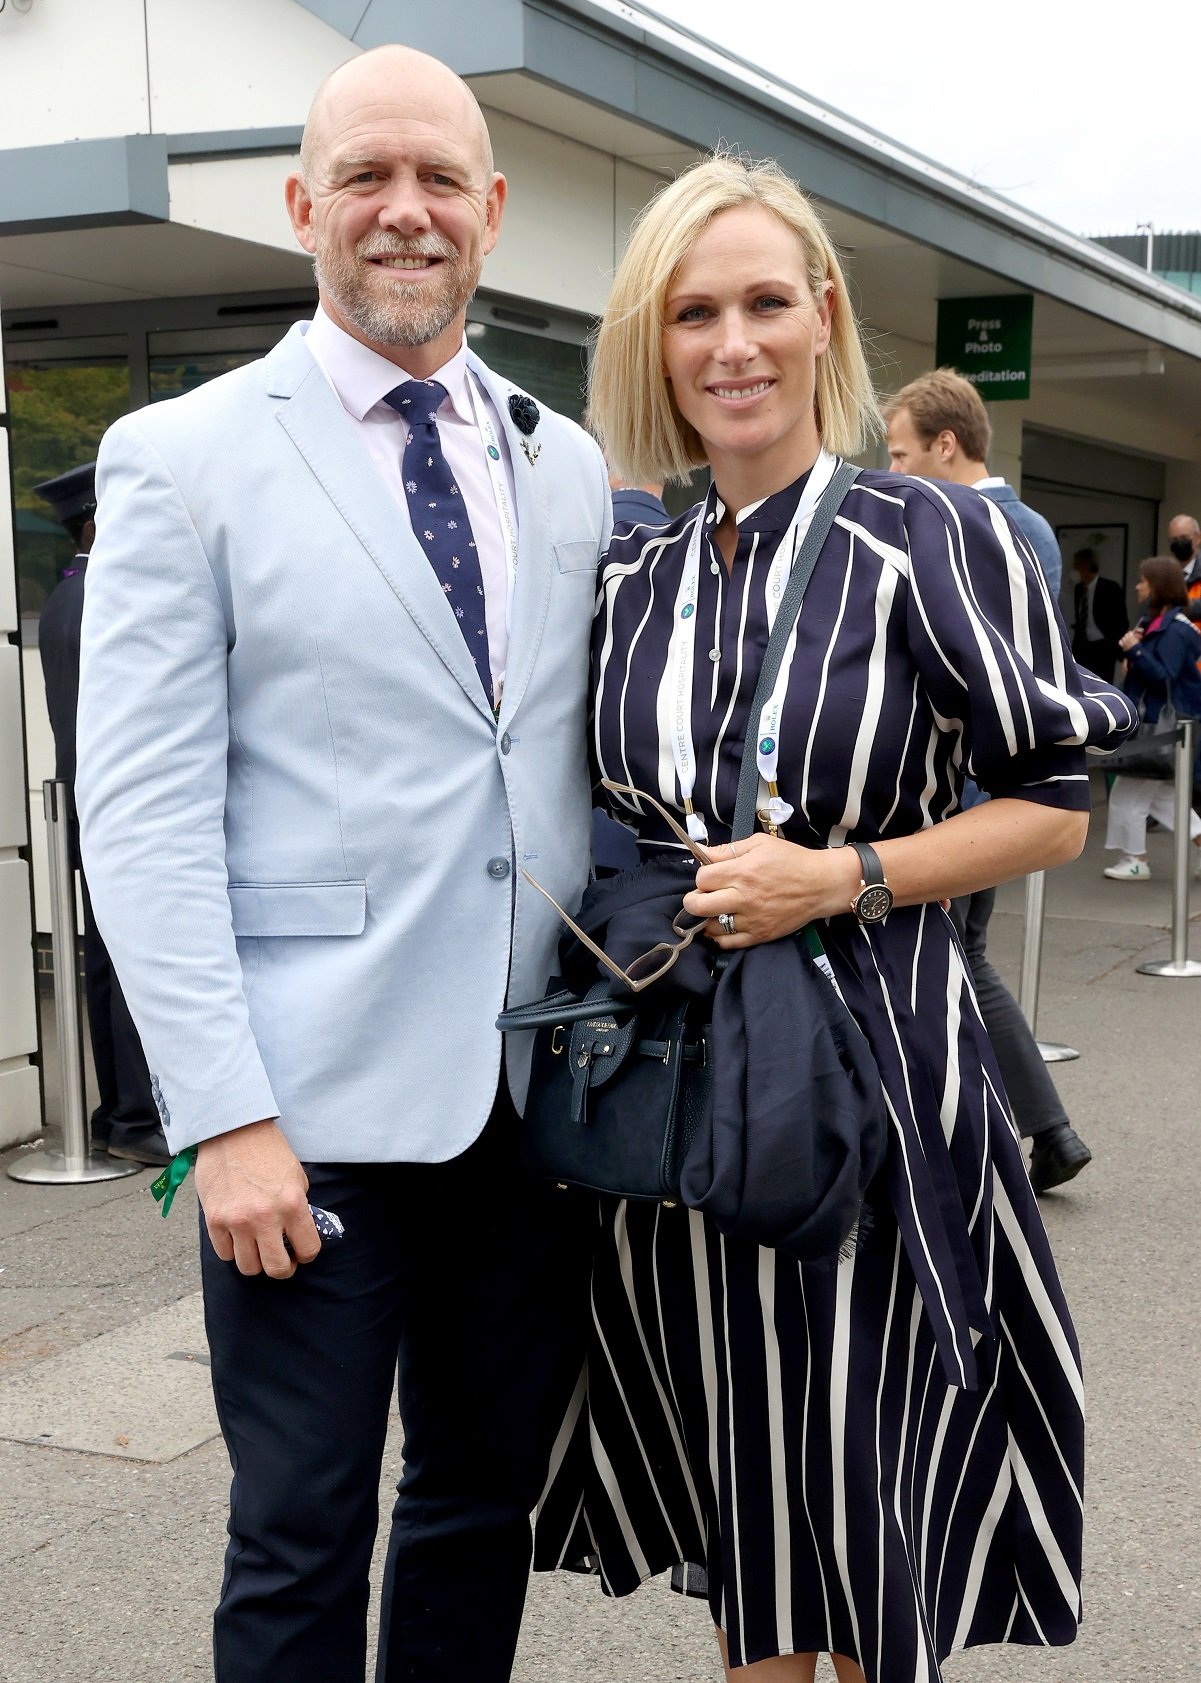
{"x": 253, "y": 1193}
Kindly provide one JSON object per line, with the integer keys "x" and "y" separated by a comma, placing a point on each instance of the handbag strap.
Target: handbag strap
{"x": 843, "y": 478}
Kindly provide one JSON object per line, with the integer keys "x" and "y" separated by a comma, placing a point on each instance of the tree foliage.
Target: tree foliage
{"x": 59, "y": 415}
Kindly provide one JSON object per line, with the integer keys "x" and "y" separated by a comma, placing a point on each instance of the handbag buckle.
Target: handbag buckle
{"x": 556, "y": 1043}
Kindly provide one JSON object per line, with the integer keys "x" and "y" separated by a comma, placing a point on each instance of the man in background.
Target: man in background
{"x": 1101, "y": 619}
{"x": 938, "y": 428}
{"x": 637, "y": 505}
{"x": 125, "y": 1122}
{"x": 1184, "y": 542}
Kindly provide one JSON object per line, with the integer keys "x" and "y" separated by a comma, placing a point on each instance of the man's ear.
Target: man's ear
{"x": 494, "y": 207}
{"x": 300, "y": 211}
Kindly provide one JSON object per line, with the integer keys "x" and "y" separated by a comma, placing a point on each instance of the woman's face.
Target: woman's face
{"x": 1142, "y": 589}
{"x": 741, "y": 338}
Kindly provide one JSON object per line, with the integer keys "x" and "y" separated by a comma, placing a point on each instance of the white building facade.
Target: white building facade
{"x": 144, "y": 248}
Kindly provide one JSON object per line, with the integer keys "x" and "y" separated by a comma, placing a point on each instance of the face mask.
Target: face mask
{"x": 1182, "y": 549}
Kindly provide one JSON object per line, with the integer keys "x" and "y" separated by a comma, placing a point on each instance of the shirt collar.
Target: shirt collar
{"x": 769, "y": 514}
{"x": 993, "y": 482}
{"x": 362, "y": 378}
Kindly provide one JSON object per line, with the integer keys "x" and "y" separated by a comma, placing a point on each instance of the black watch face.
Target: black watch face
{"x": 873, "y": 903}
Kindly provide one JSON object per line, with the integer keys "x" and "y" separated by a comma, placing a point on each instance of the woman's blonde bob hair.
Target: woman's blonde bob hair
{"x": 631, "y": 405}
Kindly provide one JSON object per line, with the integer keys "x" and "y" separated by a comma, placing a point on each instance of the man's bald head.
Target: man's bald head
{"x": 1184, "y": 539}
{"x": 379, "y": 76}
{"x": 397, "y": 202}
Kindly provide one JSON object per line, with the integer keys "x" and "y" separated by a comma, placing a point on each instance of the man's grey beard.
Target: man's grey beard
{"x": 412, "y": 314}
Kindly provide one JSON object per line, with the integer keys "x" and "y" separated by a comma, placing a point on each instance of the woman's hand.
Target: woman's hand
{"x": 1131, "y": 638}
{"x": 771, "y": 888}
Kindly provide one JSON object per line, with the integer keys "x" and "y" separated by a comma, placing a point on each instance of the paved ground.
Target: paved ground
{"x": 112, "y": 1481}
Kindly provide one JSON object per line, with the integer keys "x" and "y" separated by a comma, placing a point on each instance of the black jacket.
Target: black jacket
{"x": 58, "y": 644}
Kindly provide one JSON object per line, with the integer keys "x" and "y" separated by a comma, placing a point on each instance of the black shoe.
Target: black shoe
{"x": 1057, "y": 1156}
{"x": 141, "y": 1145}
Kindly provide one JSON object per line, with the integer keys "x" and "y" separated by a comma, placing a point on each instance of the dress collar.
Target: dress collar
{"x": 362, "y": 378}
{"x": 769, "y": 514}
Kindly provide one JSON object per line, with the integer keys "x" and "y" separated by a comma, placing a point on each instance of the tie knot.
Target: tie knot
{"x": 417, "y": 400}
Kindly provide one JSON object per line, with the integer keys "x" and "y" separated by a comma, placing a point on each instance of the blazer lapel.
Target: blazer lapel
{"x": 318, "y": 426}
{"x": 531, "y": 591}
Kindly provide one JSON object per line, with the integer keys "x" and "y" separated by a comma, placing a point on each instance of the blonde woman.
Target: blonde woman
{"x": 879, "y": 1457}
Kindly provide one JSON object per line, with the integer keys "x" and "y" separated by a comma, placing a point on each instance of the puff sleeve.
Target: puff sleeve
{"x": 993, "y": 654}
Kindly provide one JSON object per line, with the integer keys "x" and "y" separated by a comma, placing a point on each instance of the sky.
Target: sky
{"x": 1088, "y": 114}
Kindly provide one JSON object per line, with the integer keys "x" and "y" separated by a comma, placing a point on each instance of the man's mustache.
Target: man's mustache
{"x": 433, "y": 245}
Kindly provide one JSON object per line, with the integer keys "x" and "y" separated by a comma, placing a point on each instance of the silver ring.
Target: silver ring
{"x": 726, "y": 920}
{"x": 733, "y": 850}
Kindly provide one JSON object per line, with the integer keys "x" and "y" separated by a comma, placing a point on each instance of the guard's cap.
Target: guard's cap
{"x": 73, "y": 494}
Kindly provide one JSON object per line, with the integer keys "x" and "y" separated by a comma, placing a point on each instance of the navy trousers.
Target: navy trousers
{"x": 468, "y": 1280}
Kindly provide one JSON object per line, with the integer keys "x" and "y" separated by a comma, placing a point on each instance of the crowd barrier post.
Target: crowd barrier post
{"x": 75, "y": 1164}
{"x": 1051, "y": 1051}
{"x": 1180, "y": 964}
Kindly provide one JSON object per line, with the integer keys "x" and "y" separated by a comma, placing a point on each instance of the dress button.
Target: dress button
{"x": 498, "y": 868}
{"x": 714, "y": 654}
{"x": 506, "y": 742}
{"x": 714, "y": 567}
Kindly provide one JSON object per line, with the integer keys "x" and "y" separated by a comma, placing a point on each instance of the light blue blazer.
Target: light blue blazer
{"x": 302, "y": 827}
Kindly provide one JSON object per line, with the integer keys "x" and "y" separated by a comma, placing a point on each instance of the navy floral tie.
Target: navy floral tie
{"x": 439, "y": 516}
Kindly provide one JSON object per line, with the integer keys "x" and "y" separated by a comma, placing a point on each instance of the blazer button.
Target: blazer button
{"x": 506, "y": 742}
{"x": 498, "y": 868}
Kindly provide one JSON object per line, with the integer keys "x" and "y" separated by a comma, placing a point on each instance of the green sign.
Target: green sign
{"x": 988, "y": 341}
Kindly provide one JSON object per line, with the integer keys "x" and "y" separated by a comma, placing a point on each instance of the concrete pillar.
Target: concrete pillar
{"x": 1182, "y": 495}
{"x": 20, "y": 1087}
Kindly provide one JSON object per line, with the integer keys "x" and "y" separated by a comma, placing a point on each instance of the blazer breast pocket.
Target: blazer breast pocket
{"x": 298, "y": 908}
{"x": 579, "y": 555}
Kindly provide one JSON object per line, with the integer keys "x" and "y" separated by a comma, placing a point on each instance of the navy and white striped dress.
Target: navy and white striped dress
{"x": 881, "y": 1456}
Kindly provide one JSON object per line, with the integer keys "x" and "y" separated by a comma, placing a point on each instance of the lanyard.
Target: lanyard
{"x": 504, "y": 507}
{"x": 681, "y": 655}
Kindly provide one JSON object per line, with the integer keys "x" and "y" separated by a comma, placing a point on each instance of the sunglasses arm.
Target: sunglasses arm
{"x": 597, "y": 952}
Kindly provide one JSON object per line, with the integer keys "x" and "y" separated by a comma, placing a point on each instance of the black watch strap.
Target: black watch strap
{"x": 870, "y": 868}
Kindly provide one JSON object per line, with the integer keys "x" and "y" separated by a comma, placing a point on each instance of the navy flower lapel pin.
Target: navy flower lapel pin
{"x": 525, "y": 414}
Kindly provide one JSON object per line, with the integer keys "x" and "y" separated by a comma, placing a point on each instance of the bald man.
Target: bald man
{"x": 335, "y": 651}
{"x": 1184, "y": 542}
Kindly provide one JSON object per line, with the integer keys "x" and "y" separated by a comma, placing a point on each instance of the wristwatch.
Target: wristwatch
{"x": 873, "y": 902}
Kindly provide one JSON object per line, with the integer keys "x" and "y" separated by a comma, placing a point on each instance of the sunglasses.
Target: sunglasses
{"x": 648, "y": 967}
{"x": 677, "y": 830}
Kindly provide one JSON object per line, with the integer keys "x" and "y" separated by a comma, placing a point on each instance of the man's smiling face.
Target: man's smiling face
{"x": 398, "y": 203}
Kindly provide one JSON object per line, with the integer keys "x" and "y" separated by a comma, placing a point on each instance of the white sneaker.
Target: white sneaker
{"x": 1129, "y": 870}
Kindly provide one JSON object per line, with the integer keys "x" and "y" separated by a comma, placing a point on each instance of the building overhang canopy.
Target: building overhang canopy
{"x": 616, "y": 78}
{"x": 669, "y": 85}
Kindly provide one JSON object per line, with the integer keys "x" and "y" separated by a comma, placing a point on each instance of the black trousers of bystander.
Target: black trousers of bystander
{"x": 1032, "y": 1094}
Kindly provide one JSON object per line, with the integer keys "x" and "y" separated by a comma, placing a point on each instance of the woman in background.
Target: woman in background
{"x": 1161, "y": 652}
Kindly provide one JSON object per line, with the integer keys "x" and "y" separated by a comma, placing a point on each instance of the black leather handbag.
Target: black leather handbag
{"x": 1150, "y": 752}
{"x": 620, "y": 1081}
{"x": 617, "y": 1089}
